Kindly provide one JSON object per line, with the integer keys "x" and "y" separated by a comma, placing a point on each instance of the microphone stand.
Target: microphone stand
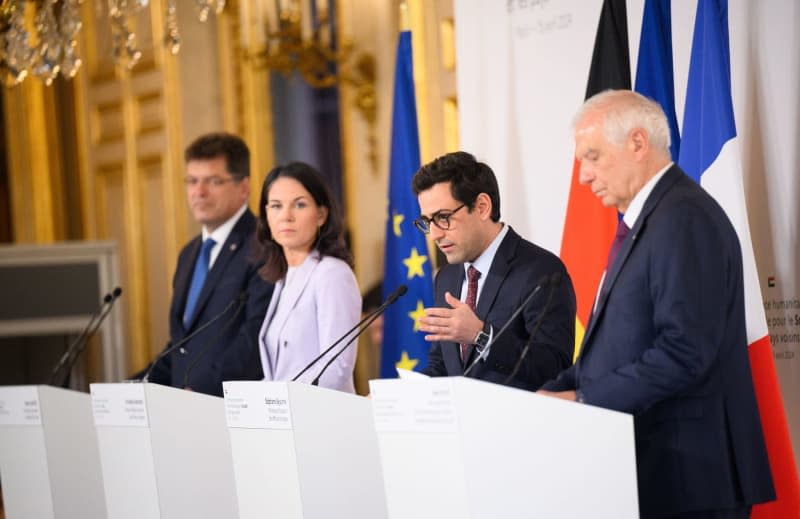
{"x": 402, "y": 289}
{"x": 76, "y": 348}
{"x": 200, "y": 354}
{"x": 536, "y": 327}
{"x": 485, "y": 352}
{"x": 186, "y": 339}
{"x": 361, "y": 330}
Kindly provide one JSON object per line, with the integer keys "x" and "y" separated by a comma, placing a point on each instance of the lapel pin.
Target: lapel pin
{"x": 233, "y": 247}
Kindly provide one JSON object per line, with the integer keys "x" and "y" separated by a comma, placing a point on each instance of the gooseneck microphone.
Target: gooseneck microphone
{"x": 554, "y": 282}
{"x": 401, "y": 290}
{"x": 77, "y": 346}
{"x": 187, "y": 338}
{"x": 241, "y": 300}
{"x": 543, "y": 281}
{"x": 391, "y": 299}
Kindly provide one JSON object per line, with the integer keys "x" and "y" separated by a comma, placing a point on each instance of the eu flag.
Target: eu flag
{"x": 406, "y": 260}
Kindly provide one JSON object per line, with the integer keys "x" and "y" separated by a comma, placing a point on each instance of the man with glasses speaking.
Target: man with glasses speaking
{"x": 491, "y": 273}
{"x": 218, "y": 298}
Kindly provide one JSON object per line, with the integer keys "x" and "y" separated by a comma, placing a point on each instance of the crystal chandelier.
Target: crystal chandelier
{"x": 49, "y": 47}
{"x": 56, "y": 28}
{"x": 124, "y": 48}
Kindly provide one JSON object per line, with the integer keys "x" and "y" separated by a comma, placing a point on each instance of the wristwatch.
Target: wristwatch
{"x": 482, "y": 339}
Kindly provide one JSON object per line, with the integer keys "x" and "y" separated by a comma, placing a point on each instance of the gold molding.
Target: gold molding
{"x": 247, "y": 102}
{"x": 34, "y": 167}
{"x": 418, "y": 16}
{"x": 361, "y": 76}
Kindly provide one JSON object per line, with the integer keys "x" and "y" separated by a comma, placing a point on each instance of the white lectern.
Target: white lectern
{"x": 458, "y": 447}
{"x": 49, "y": 463}
{"x": 300, "y": 451}
{"x": 165, "y": 452}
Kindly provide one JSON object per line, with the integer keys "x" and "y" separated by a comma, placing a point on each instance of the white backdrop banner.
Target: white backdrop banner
{"x": 522, "y": 67}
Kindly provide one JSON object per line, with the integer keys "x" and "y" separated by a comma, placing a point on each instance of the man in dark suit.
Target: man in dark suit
{"x": 215, "y": 275}
{"x": 491, "y": 271}
{"x": 666, "y": 340}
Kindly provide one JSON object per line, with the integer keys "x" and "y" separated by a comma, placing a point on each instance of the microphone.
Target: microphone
{"x": 76, "y": 348}
{"x": 554, "y": 282}
{"x": 401, "y": 290}
{"x": 241, "y": 299}
{"x": 391, "y": 299}
{"x": 485, "y": 352}
{"x": 187, "y": 338}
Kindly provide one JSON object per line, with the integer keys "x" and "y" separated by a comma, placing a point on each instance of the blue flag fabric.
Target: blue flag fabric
{"x": 708, "y": 116}
{"x": 406, "y": 259}
{"x": 654, "y": 75}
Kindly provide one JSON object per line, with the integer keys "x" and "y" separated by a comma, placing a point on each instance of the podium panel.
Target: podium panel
{"x": 49, "y": 460}
{"x": 461, "y": 447}
{"x": 301, "y": 451}
{"x": 165, "y": 452}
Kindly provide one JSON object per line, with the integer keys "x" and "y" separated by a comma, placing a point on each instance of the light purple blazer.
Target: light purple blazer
{"x": 324, "y": 303}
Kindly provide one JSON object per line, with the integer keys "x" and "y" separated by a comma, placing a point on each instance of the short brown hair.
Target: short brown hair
{"x": 220, "y": 144}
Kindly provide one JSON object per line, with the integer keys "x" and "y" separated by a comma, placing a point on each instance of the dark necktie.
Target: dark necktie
{"x": 473, "y": 275}
{"x": 622, "y": 232}
{"x": 198, "y": 279}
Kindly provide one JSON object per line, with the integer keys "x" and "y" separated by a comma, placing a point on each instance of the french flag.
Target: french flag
{"x": 709, "y": 153}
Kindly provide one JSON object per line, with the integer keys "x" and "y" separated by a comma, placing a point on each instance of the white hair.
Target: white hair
{"x": 624, "y": 111}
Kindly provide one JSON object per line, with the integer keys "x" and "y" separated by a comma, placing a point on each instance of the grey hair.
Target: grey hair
{"x": 625, "y": 110}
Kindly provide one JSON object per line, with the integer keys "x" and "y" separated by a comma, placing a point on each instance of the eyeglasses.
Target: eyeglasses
{"x": 440, "y": 219}
{"x": 208, "y": 181}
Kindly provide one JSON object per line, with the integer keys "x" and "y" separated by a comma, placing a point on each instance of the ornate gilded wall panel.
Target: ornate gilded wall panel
{"x": 372, "y": 27}
{"x": 35, "y": 172}
{"x": 245, "y": 90}
{"x": 159, "y": 272}
{"x": 434, "y": 74}
{"x": 124, "y": 143}
{"x": 130, "y": 128}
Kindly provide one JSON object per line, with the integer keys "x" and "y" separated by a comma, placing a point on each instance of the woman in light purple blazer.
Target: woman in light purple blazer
{"x": 316, "y": 298}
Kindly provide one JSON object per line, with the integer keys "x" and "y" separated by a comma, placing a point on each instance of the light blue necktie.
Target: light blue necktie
{"x": 198, "y": 278}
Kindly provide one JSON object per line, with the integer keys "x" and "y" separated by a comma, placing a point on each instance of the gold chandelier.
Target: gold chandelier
{"x": 39, "y": 38}
{"x": 47, "y": 47}
{"x": 300, "y": 36}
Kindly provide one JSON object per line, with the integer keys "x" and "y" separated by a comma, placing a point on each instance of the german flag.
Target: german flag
{"x": 589, "y": 227}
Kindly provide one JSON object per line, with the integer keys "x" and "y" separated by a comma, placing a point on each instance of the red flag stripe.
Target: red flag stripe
{"x": 776, "y": 433}
{"x": 588, "y": 231}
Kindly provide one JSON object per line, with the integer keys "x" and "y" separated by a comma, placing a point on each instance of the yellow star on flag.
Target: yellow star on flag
{"x": 406, "y": 362}
{"x": 417, "y": 314}
{"x": 414, "y": 264}
{"x": 397, "y": 219}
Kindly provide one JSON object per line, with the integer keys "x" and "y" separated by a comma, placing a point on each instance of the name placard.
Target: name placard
{"x": 257, "y": 405}
{"x": 413, "y": 406}
{"x": 19, "y": 405}
{"x": 119, "y": 405}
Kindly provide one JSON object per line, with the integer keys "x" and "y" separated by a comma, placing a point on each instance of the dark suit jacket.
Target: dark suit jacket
{"x": 667, "y": 343}
{"x": 232, "y": 352}
{"x": 516, "y": 269}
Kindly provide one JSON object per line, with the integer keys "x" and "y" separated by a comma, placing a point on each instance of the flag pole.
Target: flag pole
{"x": 405, "y": 21}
